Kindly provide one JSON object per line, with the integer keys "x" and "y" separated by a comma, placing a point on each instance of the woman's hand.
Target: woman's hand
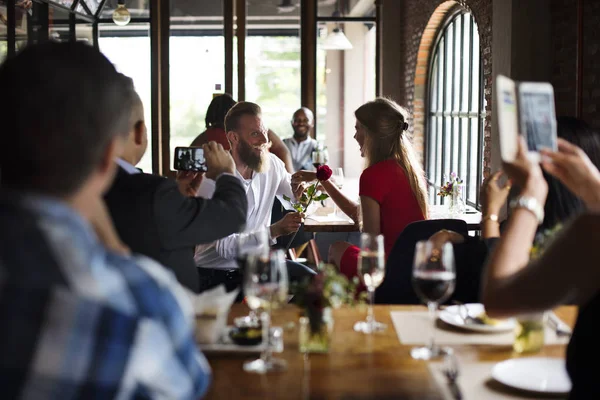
{"x": 444, "y": 236}
{"x": 493, "y": 196}
{"x": 527, "y": 175}
{"x": 303, "y": 176}
{"x": 575, "y": 170}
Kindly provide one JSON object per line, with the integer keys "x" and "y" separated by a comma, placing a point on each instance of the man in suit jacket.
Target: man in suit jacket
{"x": 154, "y": 218}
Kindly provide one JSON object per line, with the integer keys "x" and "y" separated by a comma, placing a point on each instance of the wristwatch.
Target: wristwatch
{"x": 531, "y": 205}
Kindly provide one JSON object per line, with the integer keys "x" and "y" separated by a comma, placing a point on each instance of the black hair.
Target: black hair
{"x": 217, "y": 110}
{"x": 61, "y": 106}
{"x": 561, "y": 203}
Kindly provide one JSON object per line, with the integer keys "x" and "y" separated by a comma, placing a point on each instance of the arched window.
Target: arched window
{"x": 455, "y": 108}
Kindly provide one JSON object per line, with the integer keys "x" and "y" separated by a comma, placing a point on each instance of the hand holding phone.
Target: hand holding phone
{"x": 218, "y": 160}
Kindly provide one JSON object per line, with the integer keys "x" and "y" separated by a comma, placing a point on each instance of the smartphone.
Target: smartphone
{"x": 189, "y": 159}
{"x": 526, "y": 109}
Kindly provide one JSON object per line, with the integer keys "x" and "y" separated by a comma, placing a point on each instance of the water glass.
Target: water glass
{"x": 371, "y": 269}
{"x": 433, "y": 279}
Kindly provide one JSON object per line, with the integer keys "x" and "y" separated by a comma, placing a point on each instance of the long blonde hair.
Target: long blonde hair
{"x": 386, "y": 138}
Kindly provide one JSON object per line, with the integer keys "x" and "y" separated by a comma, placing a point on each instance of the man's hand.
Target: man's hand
{"x": 189, "y": 182}
{"x": 298, "y": 189}
{"x": 218, "y": 161}
{"x": 575, "y": 170}
{"x": 290, "y": 223}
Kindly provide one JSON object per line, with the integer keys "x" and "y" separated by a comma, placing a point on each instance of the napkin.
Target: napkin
{"x": 211, "y": 309}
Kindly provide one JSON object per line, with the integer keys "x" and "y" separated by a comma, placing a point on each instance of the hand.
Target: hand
{"x": 189, "y": 182}
{"x": 575, "y": 170}
{"x": 298, "y": 189}
{"x": 304, "y": 176}
{"x": 527, "y": 174}
{"x": 439, "y": 238}
{"x": 218, "y": 161}
{"x": 493, "y": 196}
{"x": 290, "y": 223}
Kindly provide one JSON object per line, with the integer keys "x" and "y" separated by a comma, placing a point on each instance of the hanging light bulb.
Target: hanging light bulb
{"x": 121, "y": 15}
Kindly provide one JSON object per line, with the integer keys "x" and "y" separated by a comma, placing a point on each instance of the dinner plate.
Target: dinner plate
{"x": 451, "y": 315}
{"x": 225, "y": 345}
{"x": 534, "y": 374}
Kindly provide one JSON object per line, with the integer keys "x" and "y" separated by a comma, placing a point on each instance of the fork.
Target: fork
{"x": 451, "y": 371}
{"x": 463, "y": 313}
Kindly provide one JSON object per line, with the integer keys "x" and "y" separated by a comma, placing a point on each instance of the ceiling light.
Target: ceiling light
{"x": 336, "y": 40}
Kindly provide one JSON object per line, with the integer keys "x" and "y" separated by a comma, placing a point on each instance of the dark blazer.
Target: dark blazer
{"x": 153, "y": 218}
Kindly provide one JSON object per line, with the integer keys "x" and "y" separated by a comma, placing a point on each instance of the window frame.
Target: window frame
{"x": 437, "y": 159}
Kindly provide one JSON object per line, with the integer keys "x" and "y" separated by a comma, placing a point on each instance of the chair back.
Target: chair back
{"x": 396, "y": 287}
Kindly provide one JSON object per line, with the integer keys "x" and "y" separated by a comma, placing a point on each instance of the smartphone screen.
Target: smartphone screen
{"x": 538, "y": 119}
{"x": 189, "y": 159}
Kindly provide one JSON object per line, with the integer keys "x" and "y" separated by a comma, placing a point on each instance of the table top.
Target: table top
{"x": 357, "y": 366}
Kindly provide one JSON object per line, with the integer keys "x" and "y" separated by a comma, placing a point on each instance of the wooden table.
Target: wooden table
{"x": 358, "y": 366}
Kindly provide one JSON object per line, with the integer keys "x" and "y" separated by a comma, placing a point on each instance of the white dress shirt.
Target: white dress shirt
{"x": 130, "y": 169}
{"x": 301, "y": 152}
{"x": 261, "y": 190}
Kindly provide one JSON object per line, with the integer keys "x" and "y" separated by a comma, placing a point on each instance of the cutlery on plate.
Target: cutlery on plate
{"x": 451, "y": 371}
{"x": 560, "y": 328}
{"x": 463, "y": 313}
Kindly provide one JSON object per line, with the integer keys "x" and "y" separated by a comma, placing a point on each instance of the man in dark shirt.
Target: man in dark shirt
{"x": 154, "y": 218}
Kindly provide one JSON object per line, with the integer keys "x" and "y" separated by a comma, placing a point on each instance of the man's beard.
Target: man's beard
{"x": 258, "y": 163}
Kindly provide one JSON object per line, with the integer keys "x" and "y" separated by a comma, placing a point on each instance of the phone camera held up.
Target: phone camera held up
{"x": 189, "y": 159}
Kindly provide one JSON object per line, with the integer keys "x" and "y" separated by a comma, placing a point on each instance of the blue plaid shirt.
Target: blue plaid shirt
{"x": 80, "y": 322}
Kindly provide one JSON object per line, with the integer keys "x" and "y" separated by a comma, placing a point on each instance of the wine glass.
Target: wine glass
{"x": 371, "y": 268}
{"x": 266, "y": 288}
{"x": 433, "y": 279}
{"x": 254, "y": 244}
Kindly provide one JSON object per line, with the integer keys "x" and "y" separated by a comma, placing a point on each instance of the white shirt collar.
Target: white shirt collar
{"x": 130, "y": 169}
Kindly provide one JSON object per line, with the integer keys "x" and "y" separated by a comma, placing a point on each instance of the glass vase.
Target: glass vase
{"x": 456, "y": 201}
{"x": 316, "y": 342}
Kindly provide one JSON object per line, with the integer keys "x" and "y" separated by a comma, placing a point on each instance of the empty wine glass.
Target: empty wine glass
{"x": 254, "y": 244}
{"x": 266, "y": 288}
{"x": 371, "y": 268}
{"x": 338, "y": 177}
{"x": 433, "y": 279}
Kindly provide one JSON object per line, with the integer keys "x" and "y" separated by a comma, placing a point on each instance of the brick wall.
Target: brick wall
{"x": 420, "y": 20}
{"x": 564, "y": 46}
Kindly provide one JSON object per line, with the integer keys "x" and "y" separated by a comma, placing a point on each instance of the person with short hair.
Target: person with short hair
{"x": 78, "y": 320}
{"x": 302, "y": 145}
{"x": 264, "y": 176}
{"x": 162, "y": 218}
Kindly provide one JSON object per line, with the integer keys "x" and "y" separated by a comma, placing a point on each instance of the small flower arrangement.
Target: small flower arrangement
{"x": 448, "y": 188}
{"x": 542, "y": 240}
{"x": 311, "y": 193}
{"x": 327, "y": 289}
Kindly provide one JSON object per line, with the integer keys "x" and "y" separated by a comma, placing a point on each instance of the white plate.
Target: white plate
{"x": 226, "y": 345}
{"x": 534, "y": 374}
{"x": 451, "y": 316}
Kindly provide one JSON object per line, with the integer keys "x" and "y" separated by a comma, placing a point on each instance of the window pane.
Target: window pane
{"x": 197, "y": 66}
{"x": 474, "y": 185}
{"x": 128, "y": 47}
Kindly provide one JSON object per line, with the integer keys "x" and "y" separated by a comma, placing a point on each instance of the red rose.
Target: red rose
{"x": 323, "y": 172}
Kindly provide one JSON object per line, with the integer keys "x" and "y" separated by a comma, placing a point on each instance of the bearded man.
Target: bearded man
{"x": 263, "y": 176}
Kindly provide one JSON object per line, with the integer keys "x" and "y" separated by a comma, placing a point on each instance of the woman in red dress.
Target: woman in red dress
{"x": 392, "y": 187}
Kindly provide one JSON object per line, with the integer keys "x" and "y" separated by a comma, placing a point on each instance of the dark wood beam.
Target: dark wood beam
{"x": 378, "y": 46}
{"x": 228, "y": 33}
{"x": 579, "y": 74}
{"x": 11, "y": 25}
{"x": 308, "y": 56}
{"x": 241, "y": 12}
{"x": 159, "y": 77}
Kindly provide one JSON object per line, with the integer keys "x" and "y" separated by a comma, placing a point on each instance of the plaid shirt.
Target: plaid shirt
{"x": 80, "y": 322}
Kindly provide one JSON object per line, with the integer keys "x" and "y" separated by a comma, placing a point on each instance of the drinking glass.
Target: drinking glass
{"x": 251, "y": 245}
{"x": 433, "y": 279}
{"x": 338, "y": 177}
{"x": 371, "y": 268}
{"x": 266, "y": 288}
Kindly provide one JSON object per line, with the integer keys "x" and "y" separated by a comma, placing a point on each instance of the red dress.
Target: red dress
{"x": 212, "y": 134}
{"x": 387, "y": 184}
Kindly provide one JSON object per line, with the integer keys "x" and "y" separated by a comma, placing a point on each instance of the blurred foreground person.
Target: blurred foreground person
{"x": 78, "y": 320}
